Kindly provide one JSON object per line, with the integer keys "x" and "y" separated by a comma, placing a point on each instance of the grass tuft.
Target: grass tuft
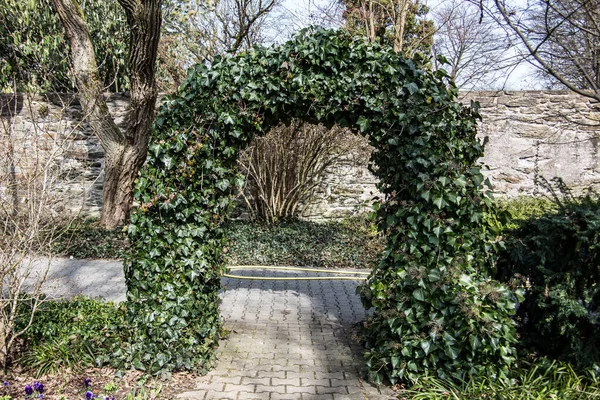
{"x": 542, "y": 380}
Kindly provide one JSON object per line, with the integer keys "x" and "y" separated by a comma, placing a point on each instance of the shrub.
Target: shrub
{"x": 557, "y": 257}
{"x": 531, "y": 381}
{"x": 284, "y": 167}
{"x": 514, "y": 212}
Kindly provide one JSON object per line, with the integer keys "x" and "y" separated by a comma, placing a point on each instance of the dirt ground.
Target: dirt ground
{"x": 103, "y": 383}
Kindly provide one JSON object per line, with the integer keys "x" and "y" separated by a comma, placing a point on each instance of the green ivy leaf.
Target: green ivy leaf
{"x": 419, "y": 294}
{"x": 363, "y": 123}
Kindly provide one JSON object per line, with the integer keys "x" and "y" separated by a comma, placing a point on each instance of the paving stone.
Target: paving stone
{"x": 332, "y": 389}
{"x": 212, "y": 395}
{"x": 239, "y": 388}
{"x": 253, "y": 396}
{"x": 327, "y": 396}
{"x": 285, "y": 368}
{"x": 315, "y": 382}
{"x": 235, "y": 380}
{"x": 373, "y": 392}
{"x": 271, "y": 374}
{"x": 283, "y": 396}
{"x": 217, "y": 386}
{"x": 352, "y": 389}
{"x": 329, "y": 375}
{"x": 194, "y": 395}
{"x": 256, "y": 381}
{"x": 301, "y": 389}
{"x": 302, "y": 375}
{"x": 286, "y": 381}
{"x": 345, "y": 382}
{"x": 270, "y": 389}
{"x": 355, "y": 396}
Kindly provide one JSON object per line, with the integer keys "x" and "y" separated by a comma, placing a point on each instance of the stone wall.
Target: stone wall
{"x": 530, "y": 134}
{"x": 539, "y": 134}
{"x": 45, "y": 146}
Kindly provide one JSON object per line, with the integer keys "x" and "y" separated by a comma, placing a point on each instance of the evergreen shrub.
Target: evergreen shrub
{"x": 556, "y": 256}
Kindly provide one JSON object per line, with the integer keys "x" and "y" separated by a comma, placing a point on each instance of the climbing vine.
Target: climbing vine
{"x": 435, "y": 309}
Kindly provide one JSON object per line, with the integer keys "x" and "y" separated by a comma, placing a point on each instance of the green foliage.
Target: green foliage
{"x": 352, "y": 243}
{"x": 34, "y": 50}
{"x": 72, "y": 334}
{"x": 88, "y": 239}
{"x": 436, "y": 309}
{"x": 541, "y": 380}
{"x": 282, "y": 169}
{"x": 349, "y": 244}
{"x": 557, "y": 257}
{"x": 515, "y": 211}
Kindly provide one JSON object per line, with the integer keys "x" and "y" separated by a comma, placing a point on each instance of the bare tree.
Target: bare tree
{"x": 561, "y": 36}
{"x": 476, "y": 49}
{"x": 305, "y": 13}
{"x": 200, "y": 30}
{"x": 125, "y": 152}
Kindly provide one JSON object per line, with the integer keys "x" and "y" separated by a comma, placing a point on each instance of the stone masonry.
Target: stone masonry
{"x": 537, "y": 134}
{"x": 48, "y": 130}
{"x": 529, "y": 135}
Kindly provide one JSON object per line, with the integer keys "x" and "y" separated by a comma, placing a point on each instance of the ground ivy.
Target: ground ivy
{"x": 435, "y": 309}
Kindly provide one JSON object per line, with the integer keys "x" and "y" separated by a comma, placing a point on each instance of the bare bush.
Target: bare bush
{"x": 284, "y": 167}
{"x": 30, "y": 175}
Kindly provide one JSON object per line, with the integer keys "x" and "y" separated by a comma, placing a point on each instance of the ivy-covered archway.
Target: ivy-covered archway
{"x": 435, "y": 309}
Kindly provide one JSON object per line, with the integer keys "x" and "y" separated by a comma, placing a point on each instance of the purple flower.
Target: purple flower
{"x": 89, "y": 395}
{"x": 41, "y": 396}
{"x": 38, "y": 387}
{"x": 87, "y": 382}
{"x": 5, "y": 384}
{"x": 28, "y": 390}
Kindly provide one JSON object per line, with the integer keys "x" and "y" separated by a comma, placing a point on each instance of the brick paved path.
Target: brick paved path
{"x": 288, "y": 340}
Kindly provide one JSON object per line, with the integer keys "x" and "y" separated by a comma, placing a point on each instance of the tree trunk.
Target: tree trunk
{"x": 371, "y": 33}
{"x": 120, "y": 171}
{"x": 124, "y": 152}
{"x": 399, "y": 24}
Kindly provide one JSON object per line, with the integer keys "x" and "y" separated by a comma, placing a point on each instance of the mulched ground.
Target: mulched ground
{"x": 104, "y": 382}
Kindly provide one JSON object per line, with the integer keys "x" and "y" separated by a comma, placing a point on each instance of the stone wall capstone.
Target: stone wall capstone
{"x": 529, "y": 135}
